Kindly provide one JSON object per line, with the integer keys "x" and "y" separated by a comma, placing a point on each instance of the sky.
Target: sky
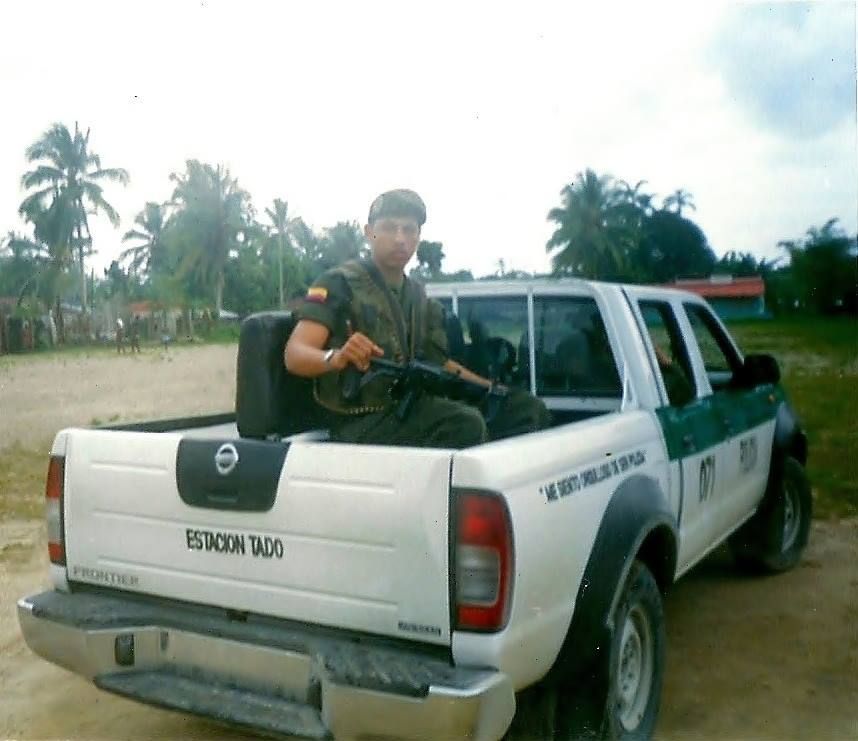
{"x": 486, "y": 109}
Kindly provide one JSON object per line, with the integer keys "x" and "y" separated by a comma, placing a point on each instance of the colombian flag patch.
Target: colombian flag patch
{"x": 317, "y": 295}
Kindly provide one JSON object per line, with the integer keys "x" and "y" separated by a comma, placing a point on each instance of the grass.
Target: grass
{"x": 22, "y": 482}
{"x": 219, "y": 334}
{"x": 819, "y": 367}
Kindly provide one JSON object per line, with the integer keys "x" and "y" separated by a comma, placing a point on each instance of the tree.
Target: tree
{"x": 151, "y": 253}
{"x": 116, "y": 281}
{"x": 591, "y": 236}
{"x": 64, "y": 185}
{"x": 611, "y": 230}
{"x": 459, "y": 276}
{"x": 51, "y": 227}
{"x": 22, "y": 265}
{"x": 673, "y": 247}
{"x": 252, "y": 279}
{"x": 678, "y": 200}
{"x": 341, "y": 242}
{"x": 304, "y": 239}
{"x": 824, "y": 267}
{"x": 744, "y": 264}
{"x": 249, "y": 283}
{"x": 212, "y": 215}
{"x": 430, "y": 256}
{"x": 632, "y": 205}
{"x": 280, "y": 222}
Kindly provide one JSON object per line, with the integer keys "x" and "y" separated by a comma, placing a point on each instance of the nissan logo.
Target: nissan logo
{"x": 226, "y": 459}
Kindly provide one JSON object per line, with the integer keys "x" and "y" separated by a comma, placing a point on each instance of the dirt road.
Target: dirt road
{"x": 748, "y": 658}
{"x": 43, "y": 393}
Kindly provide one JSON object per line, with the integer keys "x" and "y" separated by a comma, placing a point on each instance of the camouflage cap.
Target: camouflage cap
{"x": 400, "y": 202}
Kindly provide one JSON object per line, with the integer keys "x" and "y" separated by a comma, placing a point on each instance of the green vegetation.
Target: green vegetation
{"x": 62, "y": 190}
{"x": 609, "y": 230}
{"x": 819, "y": 365}
{"x": 22, "y": 482}
{"x": 206, "y": 248}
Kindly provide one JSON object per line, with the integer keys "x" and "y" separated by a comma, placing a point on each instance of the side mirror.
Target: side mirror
{"x": 759, "y": 369}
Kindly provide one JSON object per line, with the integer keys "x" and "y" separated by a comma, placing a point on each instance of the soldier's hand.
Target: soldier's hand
{"x": 358, "y": 351}
{"x": 664, "y": 360}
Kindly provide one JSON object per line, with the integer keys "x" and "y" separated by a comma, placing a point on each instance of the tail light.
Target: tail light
{"x": 483, "y": 562}
{"x": 54, "y": 510}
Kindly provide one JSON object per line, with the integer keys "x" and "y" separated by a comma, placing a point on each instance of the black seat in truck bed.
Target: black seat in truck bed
{"x": 269, "y": 401}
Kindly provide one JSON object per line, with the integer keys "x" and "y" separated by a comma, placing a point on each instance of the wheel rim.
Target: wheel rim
{"x": 792, "y": 515}
{"x": 634, "y": 671}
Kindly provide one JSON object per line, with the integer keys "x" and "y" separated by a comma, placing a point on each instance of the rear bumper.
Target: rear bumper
{"x": 261, "y": 675}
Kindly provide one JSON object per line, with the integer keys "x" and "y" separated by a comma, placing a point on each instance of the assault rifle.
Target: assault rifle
{"x": 413, "y": 379}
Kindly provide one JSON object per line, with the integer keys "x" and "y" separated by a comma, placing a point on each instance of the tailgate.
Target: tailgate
{"x": 351, "y": 536}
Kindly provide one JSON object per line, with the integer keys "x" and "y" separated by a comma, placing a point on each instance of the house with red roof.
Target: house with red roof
{"x": 732, "y": 298}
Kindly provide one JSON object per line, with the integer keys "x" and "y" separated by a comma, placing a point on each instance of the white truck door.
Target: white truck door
{"x": 747, "y": 416}
{"x": 693, "y": 429}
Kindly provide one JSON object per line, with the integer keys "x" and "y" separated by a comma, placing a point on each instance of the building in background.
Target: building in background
{"x": 732, "y": 298}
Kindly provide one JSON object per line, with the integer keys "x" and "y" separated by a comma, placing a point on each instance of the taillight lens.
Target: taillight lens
{"x": 54, "y": 510}
{"x": 483, "y": 561}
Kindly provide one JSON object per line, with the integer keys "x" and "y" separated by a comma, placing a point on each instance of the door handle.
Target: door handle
{"x": 688, "y": 442}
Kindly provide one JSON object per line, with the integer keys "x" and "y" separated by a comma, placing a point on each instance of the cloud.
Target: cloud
{"x": 485, "y": 109}
{"x": 790, "y": 66}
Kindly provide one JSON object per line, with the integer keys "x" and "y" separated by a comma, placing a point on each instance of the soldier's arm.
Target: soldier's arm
{"x": 460, "y": 370}
{"x": 436, "y": 350}
{"x": 305, "y": 353}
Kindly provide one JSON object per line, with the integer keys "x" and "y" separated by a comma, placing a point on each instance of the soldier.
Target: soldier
{"x": 367, "y": 309}
{"x": 134, "y": 334}
{"x": 120, "y": 335}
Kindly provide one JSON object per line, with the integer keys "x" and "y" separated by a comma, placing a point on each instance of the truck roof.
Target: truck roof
{"x": 548, "y": 285}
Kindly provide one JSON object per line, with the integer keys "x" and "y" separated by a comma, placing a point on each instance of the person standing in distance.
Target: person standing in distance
{"x": 366, "y": 309}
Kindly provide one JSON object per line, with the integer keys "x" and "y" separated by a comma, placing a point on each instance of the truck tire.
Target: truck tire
{"x": 775, "y": 537}
{"x": 628, "y": 710}
{"x": 636, "y": 661}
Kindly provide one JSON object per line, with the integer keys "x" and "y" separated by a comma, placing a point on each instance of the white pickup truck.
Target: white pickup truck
{"x": 247, "y": 569}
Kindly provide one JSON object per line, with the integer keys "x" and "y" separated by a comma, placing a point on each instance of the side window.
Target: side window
{"x": 670, "y": 351}
{"x": 719, "y": 357}
{"x": 573, "y": 354}
{"x": 494, "y": 335}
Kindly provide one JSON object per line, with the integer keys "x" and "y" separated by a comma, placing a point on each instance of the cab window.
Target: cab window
{"x": 719, "y": 357}
{"x": 572, "y": 351}
{"x": 489, "y": 336}
{"x": 671, "y": 353}
{"x": 447, "y": 303}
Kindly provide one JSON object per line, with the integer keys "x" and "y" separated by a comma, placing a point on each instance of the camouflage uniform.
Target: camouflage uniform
{"x": 406, "y": 325}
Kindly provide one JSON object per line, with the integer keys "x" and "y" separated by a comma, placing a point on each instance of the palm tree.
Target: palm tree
{"x": 430, "y": 256}
{"x": 52, "y": 229}
{"x": 23, "y": 263}
{"x": 212, "y": 215}
{"x": 589, "y": 234}
{"x": 824, "y": 269}
{"x": 342, "y": 241}
{"x": 64, "y": 184}
{"x": 678, "y": 200}
{"x": 150, "y": 254}
{"x": 634, "y": 196}
{"x": 280, "y": 221}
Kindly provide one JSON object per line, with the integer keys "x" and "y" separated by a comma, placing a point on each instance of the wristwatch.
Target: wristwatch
{"x": 328, "y": 355}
